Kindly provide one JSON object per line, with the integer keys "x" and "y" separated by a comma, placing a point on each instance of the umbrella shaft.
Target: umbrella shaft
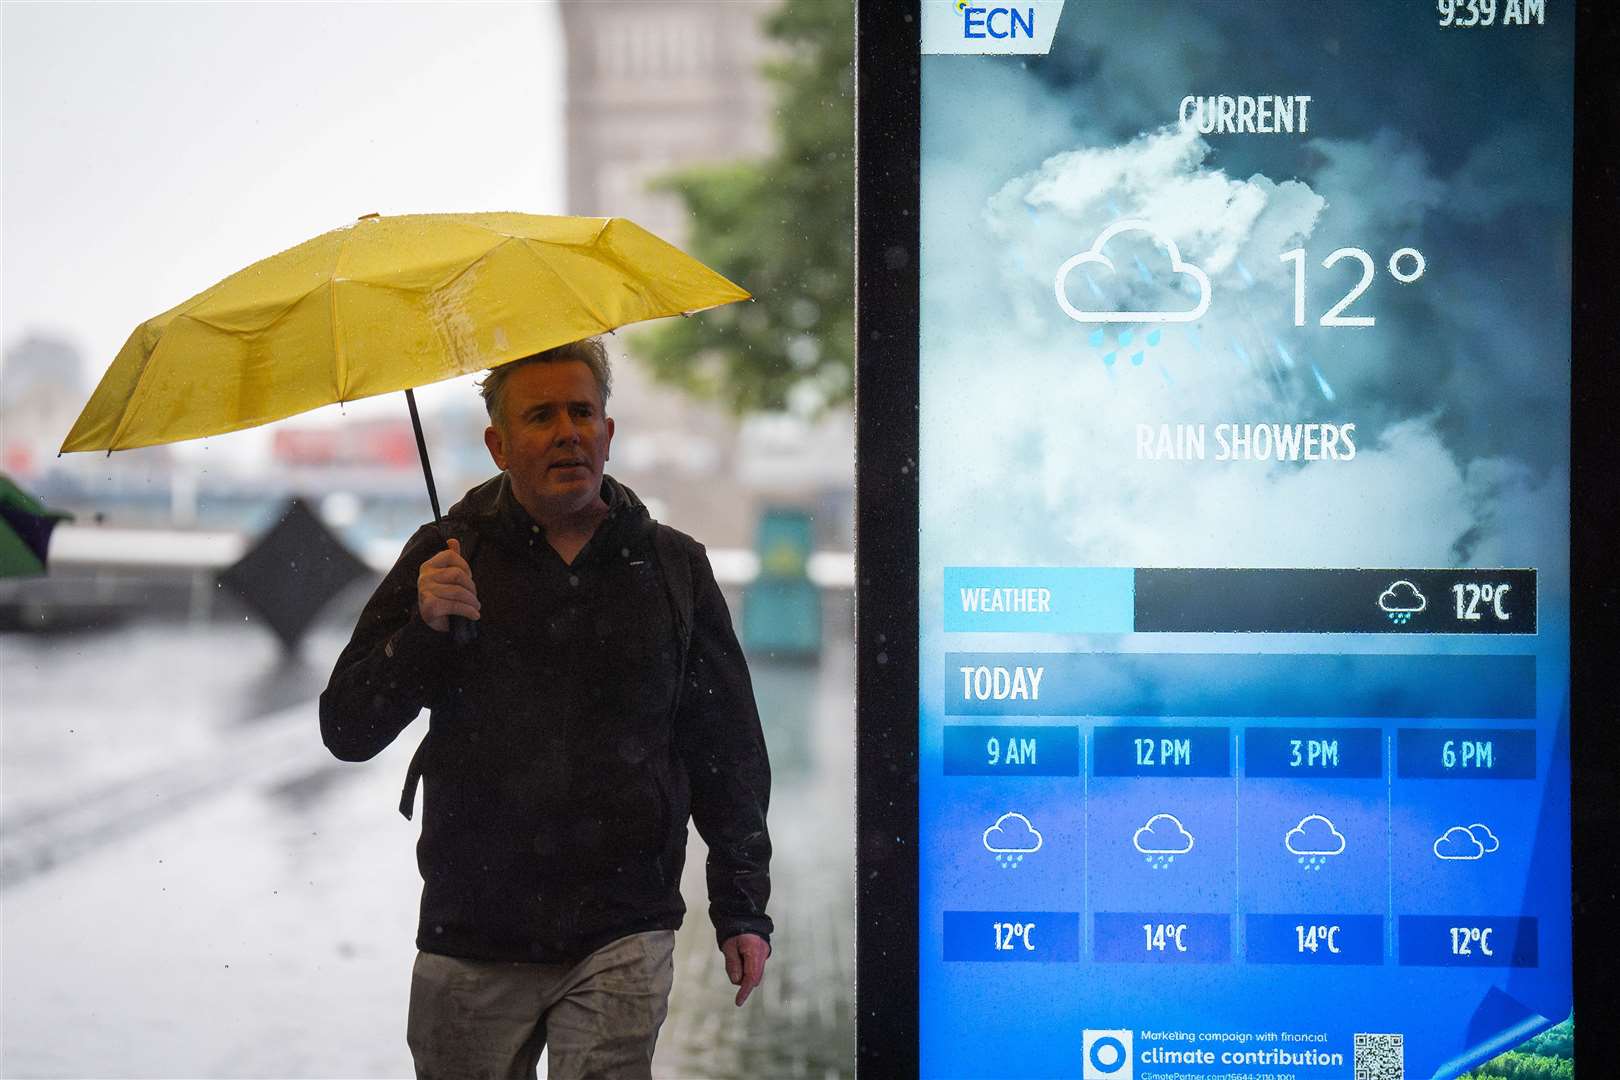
{"x": 421, "y": 449}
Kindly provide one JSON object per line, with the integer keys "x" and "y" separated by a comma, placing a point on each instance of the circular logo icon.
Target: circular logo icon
{"x": 1107, "y": 1054}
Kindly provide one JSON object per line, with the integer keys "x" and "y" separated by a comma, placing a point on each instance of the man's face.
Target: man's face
{"x": 554, "y": 441}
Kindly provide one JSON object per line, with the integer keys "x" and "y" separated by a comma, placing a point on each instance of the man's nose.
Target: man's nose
{"x": 568, "y": 431}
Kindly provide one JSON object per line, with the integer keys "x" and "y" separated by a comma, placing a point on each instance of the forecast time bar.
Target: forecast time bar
{"x": 1317, "y": 685}
{"x": 1119, "y": 600}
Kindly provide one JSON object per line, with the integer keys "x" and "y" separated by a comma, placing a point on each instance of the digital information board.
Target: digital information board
{"x": 1244, "y": 358}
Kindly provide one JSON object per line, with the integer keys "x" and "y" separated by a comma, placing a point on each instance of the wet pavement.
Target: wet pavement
{"x": 190, "y": 886}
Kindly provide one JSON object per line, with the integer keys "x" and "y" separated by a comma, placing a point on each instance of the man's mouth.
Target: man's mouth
{"x": 572, "y": 463}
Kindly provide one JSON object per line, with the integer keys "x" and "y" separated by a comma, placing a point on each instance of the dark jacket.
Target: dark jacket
{"x": 558, "y": 775}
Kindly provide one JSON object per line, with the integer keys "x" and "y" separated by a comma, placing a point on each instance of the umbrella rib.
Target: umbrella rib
{"x": 590, "y": 308}
{"x": 607, "y": 254}
{"x": 339, "y": 354}
{"x": 279, "y": 315}
{"x": 470, "y": 267}
{"x": 137, "y": 393}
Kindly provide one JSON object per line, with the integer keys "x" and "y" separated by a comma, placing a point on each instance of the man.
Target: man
{"x": 602, "y": 699}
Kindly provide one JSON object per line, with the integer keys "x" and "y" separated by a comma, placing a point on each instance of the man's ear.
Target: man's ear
{"x": 607, "y": 443}
{"x": 497, "y": 446}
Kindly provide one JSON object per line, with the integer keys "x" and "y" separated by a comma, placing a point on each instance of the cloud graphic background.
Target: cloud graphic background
{"x": 1449, "y": 469}
{"x": 1314, "y": 835}
{"x": 1162, "y": 835}
{"x": 1012, "y": 832}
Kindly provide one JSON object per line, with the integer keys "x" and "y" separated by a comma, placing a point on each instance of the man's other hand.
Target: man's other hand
{"x": 745, "y": 962}
{"x": 444, "y": 587}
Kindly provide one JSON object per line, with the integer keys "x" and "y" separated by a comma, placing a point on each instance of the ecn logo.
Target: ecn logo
{"x": 1001, "y": 23}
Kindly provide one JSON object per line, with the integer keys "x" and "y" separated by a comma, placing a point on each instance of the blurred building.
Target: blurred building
{"x": 42, "y": 389}
{"x": 654, "y": 85}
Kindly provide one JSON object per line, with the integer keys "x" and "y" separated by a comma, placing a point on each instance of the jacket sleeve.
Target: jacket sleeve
{"x": 390, "y": 669}
{"x": 718, "y": 736}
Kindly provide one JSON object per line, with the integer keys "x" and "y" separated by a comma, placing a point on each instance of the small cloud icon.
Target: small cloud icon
{"x": 1460, "y": 843}
{"x": 1402, "y": 596}
{"x": 1163, "y": 835}
{"x": 1466, "y": 842}
{"x": 1012, "y": 833}
{"x": 1095, "y": 256}
{"x": 1314, "y": 835}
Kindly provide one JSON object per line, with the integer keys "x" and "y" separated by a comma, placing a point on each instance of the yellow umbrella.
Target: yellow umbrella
{"x": 387, "y": 303}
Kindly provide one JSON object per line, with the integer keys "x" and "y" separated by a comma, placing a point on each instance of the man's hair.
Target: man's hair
{"x": 588, "y": 351}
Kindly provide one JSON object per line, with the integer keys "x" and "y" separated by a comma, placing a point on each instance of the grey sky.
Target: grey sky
{"x": 151, "y": 149}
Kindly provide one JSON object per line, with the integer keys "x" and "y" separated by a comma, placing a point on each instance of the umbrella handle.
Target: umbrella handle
{"x": 463, "y": 631}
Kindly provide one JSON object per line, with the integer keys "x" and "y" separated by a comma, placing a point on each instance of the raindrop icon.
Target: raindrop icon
{"x": 1096, "y": 338}
{"x": 1154, "y": 336}
{"x": 1136, "y": 359}
{"x": 1108, "y": 358}
{"x": 1125, "y": 338}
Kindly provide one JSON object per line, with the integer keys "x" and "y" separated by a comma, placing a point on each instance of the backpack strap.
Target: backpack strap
{"x": 413, "y": 774}
{"x": 676, "y": 571}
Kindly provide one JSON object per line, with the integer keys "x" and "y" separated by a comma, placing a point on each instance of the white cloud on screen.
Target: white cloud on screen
{"x": 1029, "y": 440}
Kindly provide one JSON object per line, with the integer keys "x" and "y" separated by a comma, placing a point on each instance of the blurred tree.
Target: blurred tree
{"x": 782, "y": 227}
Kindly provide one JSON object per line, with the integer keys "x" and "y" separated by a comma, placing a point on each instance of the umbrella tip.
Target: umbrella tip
{"x": 363, "y": 217}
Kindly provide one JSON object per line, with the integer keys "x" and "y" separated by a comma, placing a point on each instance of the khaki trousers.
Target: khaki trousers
{"x": 489, "y": 1020}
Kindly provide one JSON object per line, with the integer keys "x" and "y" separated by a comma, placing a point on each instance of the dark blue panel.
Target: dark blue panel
{"x": 1011, "y": 750}
{"x": 1129, "y": 937}
{"x": 1465, "y": 754}
{"x": 1351, "y": 753}
{"x": 1314, "y": 939}
{"x": 1013, "y": 936}
{"x": 1487, "y": 687}
{"x": 1469, "y": 940}
{"x": 1162, "y": 751}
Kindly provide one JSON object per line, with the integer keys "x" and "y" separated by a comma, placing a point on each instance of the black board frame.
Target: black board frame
{"x": 887, "y": 387}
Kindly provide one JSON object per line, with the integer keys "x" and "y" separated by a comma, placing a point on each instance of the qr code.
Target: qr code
{"x": 1380, "y": 1057}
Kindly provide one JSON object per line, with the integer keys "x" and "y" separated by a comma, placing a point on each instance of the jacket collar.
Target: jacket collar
{"x": 493, "y": 502}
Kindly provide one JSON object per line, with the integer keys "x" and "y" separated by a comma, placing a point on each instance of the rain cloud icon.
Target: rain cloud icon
{"x": 1162, "y": 839}
{"x": 1011, "y": 838}
{"x": 1466, "y": 844}
{"x": 1314, "y": 840}
{"x": 1401, "y": 601}
{"x": 1095, "y": 255}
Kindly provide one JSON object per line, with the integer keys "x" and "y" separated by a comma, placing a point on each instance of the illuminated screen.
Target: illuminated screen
{"x": 1244, "y": 566}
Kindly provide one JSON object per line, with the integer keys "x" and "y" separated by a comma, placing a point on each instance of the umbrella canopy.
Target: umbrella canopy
{"x": 384, "y": 304}
{"x": 25, "y": 530}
